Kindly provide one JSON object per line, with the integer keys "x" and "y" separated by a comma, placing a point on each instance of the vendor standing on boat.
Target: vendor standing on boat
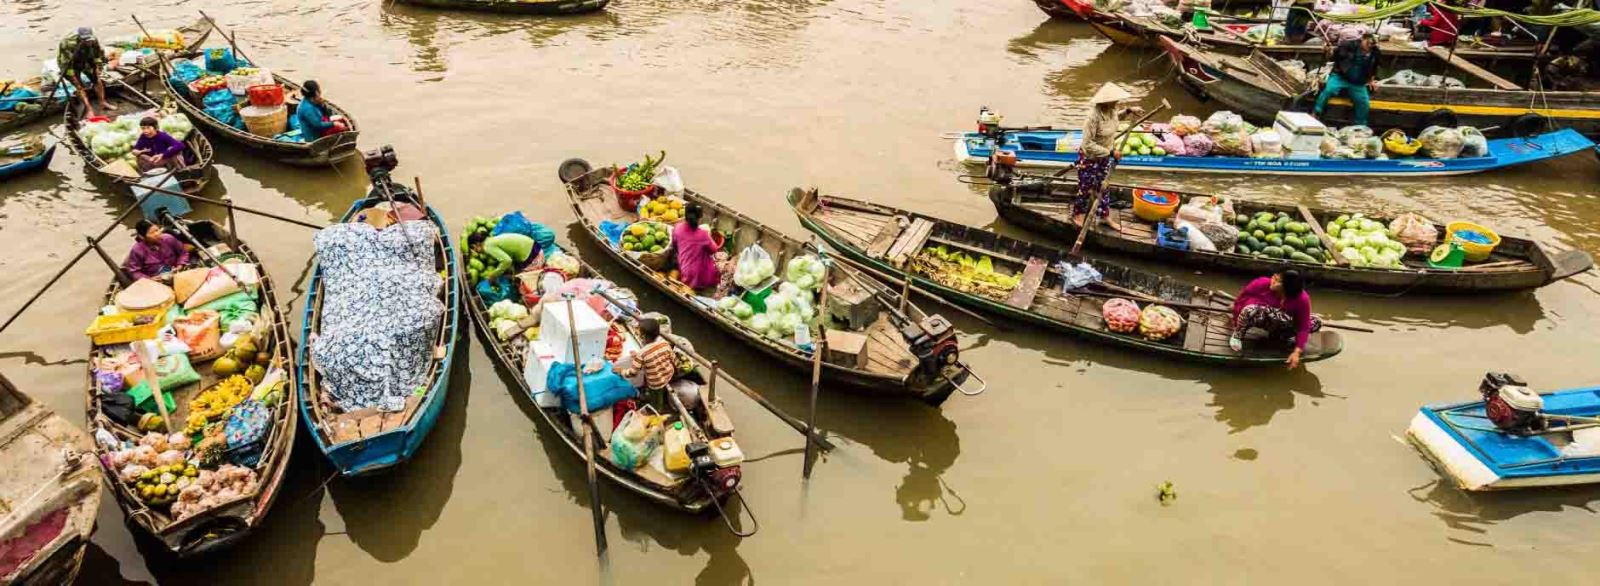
{"x": 1280, "y": 305}
{"x": 81, "y": 59}
{"x": 156, "y": 149}
{"x": 154, "y": 252}
{"x": 312, "y": 114}
{"x": 1097, "y": 153}
{"x": 696, "y": 267}
{"x": 1355, "y": 69}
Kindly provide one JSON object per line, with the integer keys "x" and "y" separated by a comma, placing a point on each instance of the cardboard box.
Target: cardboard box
{"x": 847, "y": 349}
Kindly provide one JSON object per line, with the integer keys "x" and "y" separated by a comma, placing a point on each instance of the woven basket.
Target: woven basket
{"x": 268, "y": 122}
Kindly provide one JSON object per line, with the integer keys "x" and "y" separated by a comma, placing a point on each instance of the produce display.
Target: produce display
{"x": 245, "y": 358}
{"x": 477, "y": 261}
{"x": 111, "y": 140}
{"x": 666, "y": 209}
{"x": 789, "y": 309}
{"x": 1159, "y": 322}
{"x": 1279, "y": 236}
{"x": 647, "y": 236}
{"x": 206, "y": 84}
{"x": 212, "y": 405}
{"x": 1366, "y": 243}
{"x": 755, "y": 266}
{"x": 961, "y": 271}
{"x": 506, "y": 317}
{"x": 806, "y": 272}
{"x": 175, "y": 124}
{"x": 637, "y": 177}
{"x": 1143, "y": 143}
{"x": 1121, "y": 315}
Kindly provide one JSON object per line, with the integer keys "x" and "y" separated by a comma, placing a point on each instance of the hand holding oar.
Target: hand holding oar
{"x": 1100, "y": 192}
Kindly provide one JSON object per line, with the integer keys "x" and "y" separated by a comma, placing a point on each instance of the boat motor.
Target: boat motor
{"x": 989, "y": 125}
{"x": 1510, "y": 404}
{"x": 380, "y": 160}
{"x": 933, "y": 341}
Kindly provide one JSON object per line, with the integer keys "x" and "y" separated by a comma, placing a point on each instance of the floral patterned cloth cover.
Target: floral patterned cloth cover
{"x": 380, "y": 312}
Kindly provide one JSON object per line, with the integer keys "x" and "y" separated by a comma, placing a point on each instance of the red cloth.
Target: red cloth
{"x": 17, "y": 551}
{"x": 1442, "y": 26}
{"x": 1259, "y": 292}
{"x": 695, "y": 247}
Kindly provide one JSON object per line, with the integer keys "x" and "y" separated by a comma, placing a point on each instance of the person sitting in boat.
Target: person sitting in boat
{"x": 695, "y": 247}
{"x": 1280, "y": 305}
{"x": 1440, "y": 28}
{"x": 1355, "y": 68}
{"x": 156, "y": 149}
{"x": 1096, "y": 154}
{"x": 312, "y": 114}
{"x": 656, "y": 360}
{"x": 154, "y": 252}
{"x": 81, "y": 58}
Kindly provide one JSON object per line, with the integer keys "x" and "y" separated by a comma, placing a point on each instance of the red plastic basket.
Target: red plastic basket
{"x": 266, "y": 95}
{"x": 628, "y": 200}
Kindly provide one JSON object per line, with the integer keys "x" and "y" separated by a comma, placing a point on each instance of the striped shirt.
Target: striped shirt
{"x": 658, "y": 363}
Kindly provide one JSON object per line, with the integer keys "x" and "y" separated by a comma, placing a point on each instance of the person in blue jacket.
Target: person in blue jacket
{"x": 312, "y": 114}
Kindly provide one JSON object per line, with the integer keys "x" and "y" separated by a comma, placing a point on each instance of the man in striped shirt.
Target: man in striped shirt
{"x": 656, "y": 359}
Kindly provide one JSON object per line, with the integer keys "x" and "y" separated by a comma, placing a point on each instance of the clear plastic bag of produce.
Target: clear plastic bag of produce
{"x": 1197, "y": 145}
{"x": 1441, "y": 142}
{"x": 1266, "y": 143}
{"x": 1172, "y": 144}
{"x": 1231, "y": 144}
{"x": 1159, "y": 322}
{"x": 805, "y": 271}
{"x": 1222, "y": 121}
{"x": 1185, "y": 125}
{"x": 1355, "y": 136}
{"x": 1417, "y": 233}
{"x": 1121, "y": 315}
{"x": 754, "y": 266}
{"x": 668, "y": 179}
{"x": 1473, "y": 143}
{"x": 1197, "y": 238}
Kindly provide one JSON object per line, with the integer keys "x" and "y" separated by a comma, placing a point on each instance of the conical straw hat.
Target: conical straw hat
{"x": 1108, "y": 93}
{"x": 185, "y": 283}
{"x": 144, "y": 294}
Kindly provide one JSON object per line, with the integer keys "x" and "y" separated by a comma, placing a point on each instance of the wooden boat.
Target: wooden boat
{"x": 549, "y": 7}
{"x": 49, "y": 492}
{"x": 929, "y": 371}
{"x": 1037, "y": 148}
{"x": 1516, "y": 263}
{"x": 327, "y": 150}
{"x": 25, "y": 157}
{"x": 889, "y": 240}
{"x": 681, "y": 493}
{"x": 1462, "y": 443}
{"x": 193, "y": 177}
{"x": 1257, "y": 88}
{"x": 231, "y": 520}
{"x": 367, "y": 441}
{"x": 1057, "y": 9}
{"x": 194, "y": 34}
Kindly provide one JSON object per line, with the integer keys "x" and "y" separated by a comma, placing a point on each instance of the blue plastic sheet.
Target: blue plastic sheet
{"x": 220, "y": 105}
{"x": 220, "y": 60}
{"x": 516, "y": 223}
{"x": 612, "y": 230}
{"x": 602, "y": 389}
{"x": 496, "y": 290}
{"x": 15, "y": 96}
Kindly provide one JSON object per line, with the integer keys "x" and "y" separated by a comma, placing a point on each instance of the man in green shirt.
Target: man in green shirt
{"x": 81, "y": 60}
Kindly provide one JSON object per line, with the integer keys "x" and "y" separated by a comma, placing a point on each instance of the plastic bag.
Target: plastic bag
{"x": 1223, "y": 235}
{"x": 1416, "y": 232}
{"x": 202, "y": 332}
{"x": 1473, "y": 143}
{"x": 1197, "y": 237}
{"x": 1197, "y": 145}
{"x": 668, "y": 179}
{"x": 755, "y": 265}
{"x": 1222, "y": 122}
{"x": 171, "y": 371}
{"x": 1441, "y": 142}
{"x": 1185, "y": 125}
{"x": 635, "y": 437}
{"x": 1234, "y": 143}
{"x": 1266, "y": 143}
{"x": 1172, "y": 143}
{"x": 1077, "y": 276}
{"x": 1159, "y": 322}
{"x": 1121, "y": 315}
{"x": 496, "y": 290}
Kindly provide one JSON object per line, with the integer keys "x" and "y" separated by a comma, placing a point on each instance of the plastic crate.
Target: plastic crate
{"x": 119, "y": 328}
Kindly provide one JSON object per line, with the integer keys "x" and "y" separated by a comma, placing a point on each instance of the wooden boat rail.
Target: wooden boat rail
{"x": 192, "y": 177}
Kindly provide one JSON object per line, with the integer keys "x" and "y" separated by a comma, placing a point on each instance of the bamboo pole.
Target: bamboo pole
{"x": 229, "y": 38}
{"x": 231, "y": 206}
{"x": 122, "y": 276}
{"x": 1088, "y": 222}
{"x": 818, "y": 347}
{"x": 588, "y": 438}
{"x": 114, "y": 224}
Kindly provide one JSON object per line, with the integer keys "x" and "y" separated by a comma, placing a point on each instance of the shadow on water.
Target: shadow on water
{"x": 1475, "y": 513}
{"x": 896, "y": 429}
{"x": 1050, "y": 35}
{"x": 1248, "y": 398}
{"x": 387, "y": 514}
{"x": 100, "y": 568}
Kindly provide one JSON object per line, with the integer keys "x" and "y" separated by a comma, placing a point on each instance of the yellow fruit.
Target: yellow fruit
{"x": 225, "y": 366}
{"x": 675, "y": 203}
{"x": 669, "y": 216}
{"x": 191, "y": 472}
{"x": 159, "y": 491}
{"x": 636, "y": 229}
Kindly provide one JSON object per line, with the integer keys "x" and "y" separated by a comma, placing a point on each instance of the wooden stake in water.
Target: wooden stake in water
{"x": 588, "y": 437}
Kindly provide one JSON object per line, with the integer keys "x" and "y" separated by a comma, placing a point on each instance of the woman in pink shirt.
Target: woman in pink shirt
{"x": 1278, "y": 304}
{"x": 696, "y": 267}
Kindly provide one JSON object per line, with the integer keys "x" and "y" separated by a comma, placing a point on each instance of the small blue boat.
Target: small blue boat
{"x": 28, "y": 164}
{"x": 1037, "y": 148}
{"x": 366, "y": 443}
{"x": 1463, "y": 444}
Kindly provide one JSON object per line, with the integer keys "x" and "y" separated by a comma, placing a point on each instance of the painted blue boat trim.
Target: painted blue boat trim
{"x": 1515, "y": 456}
{"x": 28, "y": 165}
{"x": 396, "y": 446}
{"x": 1503, "y": 152}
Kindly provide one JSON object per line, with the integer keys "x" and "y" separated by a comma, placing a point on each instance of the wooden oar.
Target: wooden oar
{"x": 1088, "y": 223}
{"x": 588, "y": 436}
{"x": 818, "y": 346}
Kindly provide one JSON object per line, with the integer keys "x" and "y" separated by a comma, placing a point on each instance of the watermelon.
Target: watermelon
{"x": 1302, "y": 257}
{"x": 1274, "y": 251}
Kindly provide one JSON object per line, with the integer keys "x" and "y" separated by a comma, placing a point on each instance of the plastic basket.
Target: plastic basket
{"x": 1154, "y": 206}
{"x": 628, "y": 200}
{"x": 1475, "y": 252}
{"x": 119, "y": 328}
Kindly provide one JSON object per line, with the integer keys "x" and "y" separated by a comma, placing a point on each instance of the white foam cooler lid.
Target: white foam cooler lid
{"x": 1300, "y": 123}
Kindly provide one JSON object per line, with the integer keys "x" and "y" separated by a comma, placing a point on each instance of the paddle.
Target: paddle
{"x": 818, "y": 346}
{"x": 588, "y": 436}
{"x": 1088, "y": 226}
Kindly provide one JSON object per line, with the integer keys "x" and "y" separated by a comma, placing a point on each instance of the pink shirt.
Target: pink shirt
{"x": 1259, "y": 292}
{"x": 696, "y": 268}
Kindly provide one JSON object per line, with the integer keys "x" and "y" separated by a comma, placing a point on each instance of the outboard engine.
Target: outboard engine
{"x": 933, "y": 341}
{"x": 1510, "y": 404}
{"x": 989, "y": 124}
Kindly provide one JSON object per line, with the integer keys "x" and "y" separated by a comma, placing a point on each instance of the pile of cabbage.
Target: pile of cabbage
{"x": 111, "y": 140}
{"x": 1366, "y": 243}
{"x": 176, "y": 125}
{"x": 806, "y": 272}
{"x": 789, "y": 309}
{"x": 753, "y": 269}
{"x": 506, "y": 317}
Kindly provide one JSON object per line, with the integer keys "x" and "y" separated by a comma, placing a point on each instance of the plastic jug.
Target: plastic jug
{"x": 677, "y": 442}
{"x": 725, "y": 452}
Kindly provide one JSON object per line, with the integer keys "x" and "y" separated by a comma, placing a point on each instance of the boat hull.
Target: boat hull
{"x": 1477, "y": 458}
{"x": 1056, "y": 9}
{"x": 555, "y": 7}
{"x": 30, "y": 165}
{"x": 387, "y": 450}
{"x": 323, "y": 152}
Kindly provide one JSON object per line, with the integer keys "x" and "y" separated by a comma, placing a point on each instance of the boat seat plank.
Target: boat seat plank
{"x": 1032, "y": 276}
{"x": 1472, "y": 68}
{"x": 1196, "y": 330}
{"x": 1316, "y": 228}
{"x": 886, "y": 350}
{"x": 885, "y": 238}
{"x": 910, "y": 242}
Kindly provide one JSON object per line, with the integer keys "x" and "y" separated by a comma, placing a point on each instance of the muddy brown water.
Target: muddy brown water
{"x": 1051, "y": 475}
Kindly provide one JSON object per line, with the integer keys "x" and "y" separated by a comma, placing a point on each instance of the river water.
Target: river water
{"x": 1051, "y": 475}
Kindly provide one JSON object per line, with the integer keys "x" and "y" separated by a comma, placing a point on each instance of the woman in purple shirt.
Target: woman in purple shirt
{"x": 1278, "y": 304}
{"x": 154, "y": 252}
{"x": 157, "y": 149}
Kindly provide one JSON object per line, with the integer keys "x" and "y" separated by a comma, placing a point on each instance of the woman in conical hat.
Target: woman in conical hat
{"x": 1097, "y": 152}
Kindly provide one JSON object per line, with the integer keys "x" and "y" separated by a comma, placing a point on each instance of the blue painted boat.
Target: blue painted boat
{"x": 29, "y": 164}
{"x": 364, "y": 444}
{"x": 1037, "y": 148}
{"x": 1461, "y": 442}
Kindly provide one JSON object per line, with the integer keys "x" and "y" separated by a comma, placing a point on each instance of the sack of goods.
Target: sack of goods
{"x": 1441, "y": 142}
{"x": 1121, "y": 315}
{"x": 1159, "y": 322}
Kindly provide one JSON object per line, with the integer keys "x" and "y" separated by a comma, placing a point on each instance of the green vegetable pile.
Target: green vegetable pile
{"x": 1142, "y": 143}
{"x": 477, "y": 261}
{"x": 1279, "y": 236}
{"x": 639, "y": 175}
{"x": 1366, "y": 243}
{"x": 646, "y": 237}
{"x": 960, "y": 271}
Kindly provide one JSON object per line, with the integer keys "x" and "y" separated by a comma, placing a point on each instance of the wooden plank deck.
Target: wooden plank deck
{"x": 883, "y": 239}
{"x": 910, "y": 242}
{"x": 1032, "y": 276}
{"x": 1472, "y": 68}
{"x": 886, "y": 350}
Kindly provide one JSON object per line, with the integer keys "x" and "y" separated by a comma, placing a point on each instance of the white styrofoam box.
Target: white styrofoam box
{"x": 1299, "y": 145}
{"x": 1299, "y": 123}
{"x": 539, "y": 359}
{"x": 556, "y": 333}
